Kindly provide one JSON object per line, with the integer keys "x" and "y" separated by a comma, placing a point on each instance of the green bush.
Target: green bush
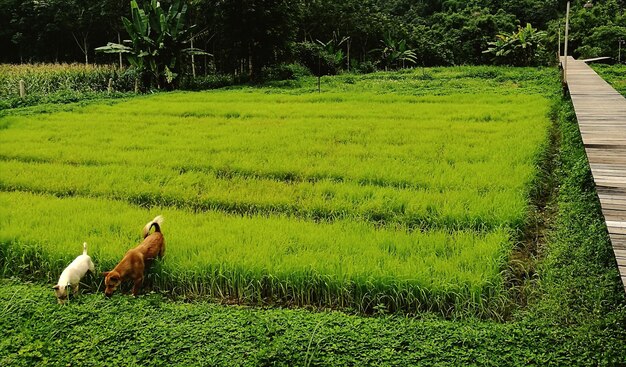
{"x": 316, "y": 58}
{"x": 365, "y": 67}
{"x": 285, "y": 72}
{"x": 588, "y": 52}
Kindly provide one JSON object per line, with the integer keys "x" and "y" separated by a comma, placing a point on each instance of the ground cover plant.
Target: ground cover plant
{"x": 613, "y": 74}
{"x": 395, "y": 190}
{"x": 576, "y": 317}
{"x": 157, "y": 332}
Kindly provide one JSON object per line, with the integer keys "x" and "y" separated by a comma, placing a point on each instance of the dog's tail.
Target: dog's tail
{"x": 156, "y": 223}
{"x": 84, "y": 248}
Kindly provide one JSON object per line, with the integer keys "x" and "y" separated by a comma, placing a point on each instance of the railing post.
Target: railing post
{"x": 22, "y": 89}
{"x": 566, "y": 38}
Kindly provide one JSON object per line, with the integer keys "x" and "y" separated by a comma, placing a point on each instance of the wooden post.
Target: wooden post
{"x": 193, "y": 62}
{"x": 110, "y": 87}
{"x": 348, "y": 57}
{"x": 566, "y": 37}
{"x": 559, "y": 41}
{"x": 136, "y": 85}
{"x": 319, "y": 73}
{"x": 119, "y": 41}
{"x": 86, "y": 50}
{"x": 22, "y": 89}
{"x": 250, "y": 61}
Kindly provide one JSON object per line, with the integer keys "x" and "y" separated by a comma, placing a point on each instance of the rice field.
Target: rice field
{"x": 391, "y": 190}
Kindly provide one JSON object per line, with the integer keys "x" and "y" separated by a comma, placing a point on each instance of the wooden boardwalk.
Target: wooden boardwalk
{"x": 601, "y": 113}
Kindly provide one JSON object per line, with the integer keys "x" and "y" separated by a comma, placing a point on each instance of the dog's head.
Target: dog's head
{"x": 61, "y": 292}
{"x": 112, "y": 280}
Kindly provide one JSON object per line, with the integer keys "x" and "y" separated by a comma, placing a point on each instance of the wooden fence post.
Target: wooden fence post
{"x": 193, "y": 62}
{"x": 22, "y": 89}
{"x": 110, "y": 87}
{"x": 136, "y": 85}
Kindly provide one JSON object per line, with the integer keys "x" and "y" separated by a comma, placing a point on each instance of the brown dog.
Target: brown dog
{"x": 137, "y": 259}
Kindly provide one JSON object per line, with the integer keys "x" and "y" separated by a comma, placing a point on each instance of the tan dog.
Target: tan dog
{"x": 137, "y": 259}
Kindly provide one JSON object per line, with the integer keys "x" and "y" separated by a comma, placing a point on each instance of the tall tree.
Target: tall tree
{"x": 257, "y": 31}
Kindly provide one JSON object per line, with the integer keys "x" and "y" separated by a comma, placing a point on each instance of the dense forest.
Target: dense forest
{"x": 246, "y": 36}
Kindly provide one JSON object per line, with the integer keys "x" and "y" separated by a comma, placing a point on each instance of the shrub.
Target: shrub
{"x": 316, "y": 58}
{"x": 285, "y": 72}
{"x": 364, "y": 67}
{"x": 587, "y": 51}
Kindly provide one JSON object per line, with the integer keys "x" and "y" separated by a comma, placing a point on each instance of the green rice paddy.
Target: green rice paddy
{"x": 390, "y": 189}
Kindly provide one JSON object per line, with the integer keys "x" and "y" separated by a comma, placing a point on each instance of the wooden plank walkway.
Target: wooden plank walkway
{"x": 601, "y": 113}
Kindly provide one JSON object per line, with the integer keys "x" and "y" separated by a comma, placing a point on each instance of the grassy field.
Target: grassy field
{"x": 395, "y": 190}
{"x": 575, "y": 317}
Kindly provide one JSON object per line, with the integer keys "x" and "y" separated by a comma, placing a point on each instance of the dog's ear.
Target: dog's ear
{"x": 105, "y": 273}
{"x": 56, "y": 287}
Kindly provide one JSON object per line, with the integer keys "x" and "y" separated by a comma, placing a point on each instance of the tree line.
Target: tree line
{"x": 244, "y": 37}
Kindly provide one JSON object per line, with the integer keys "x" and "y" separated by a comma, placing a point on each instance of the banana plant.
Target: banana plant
{"x": 395, "y": 53}
{"x": 157, "y": 41}
{"x": 519, "y": 48}
{"x": 333, "y": 48}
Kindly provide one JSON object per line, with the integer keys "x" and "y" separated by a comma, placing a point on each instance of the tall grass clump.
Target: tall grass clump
{"x": 50, "y": 78}
{"x": 60, "y": 82}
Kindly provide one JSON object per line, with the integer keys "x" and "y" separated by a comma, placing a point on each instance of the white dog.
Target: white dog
{"x": 72, "y": 274}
